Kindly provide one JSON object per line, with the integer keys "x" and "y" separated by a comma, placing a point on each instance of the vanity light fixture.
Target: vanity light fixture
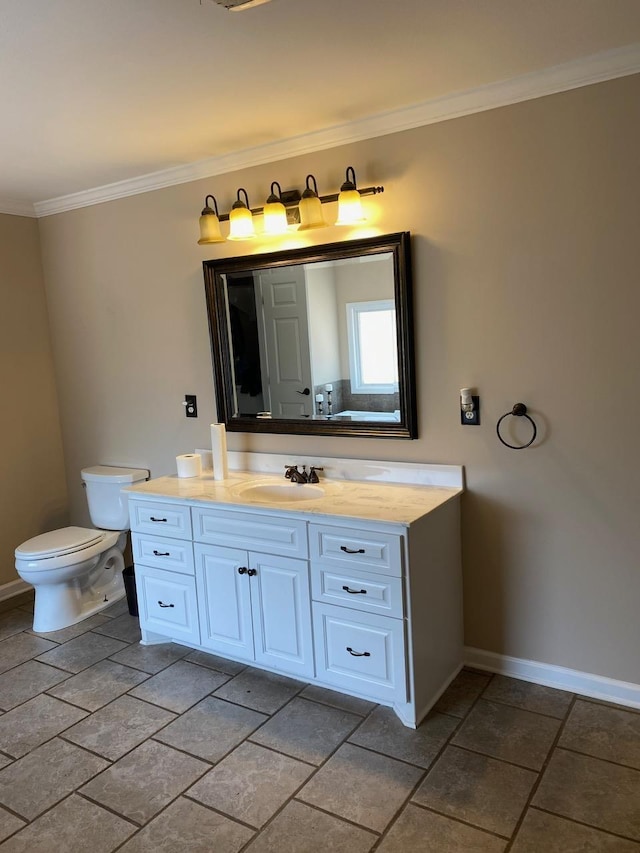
{"x": 349, "y": 204}
{"x": 285, "y": 210}
{"x": 241, "y": 219}
{"x": 210, "y": 223}
{"x": 275, "y": 213}
{"x": 310, "y": 207}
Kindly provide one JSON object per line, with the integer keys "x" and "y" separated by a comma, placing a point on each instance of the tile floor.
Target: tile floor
{"x": 107, "y": 745}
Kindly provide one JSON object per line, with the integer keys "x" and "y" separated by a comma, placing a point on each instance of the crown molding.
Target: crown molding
{"x": 17, "y": 208}
{"x": 597, "y": 68}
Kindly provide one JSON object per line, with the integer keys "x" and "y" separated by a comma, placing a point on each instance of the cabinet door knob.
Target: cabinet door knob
{"x": 165, "y": 605}
{"x": 358, "y": 654}
{"x": 161, "y": 554}
{"x": 351, "y": 550}
{"x": 252, "y": 573}
{"x": 354, "y": 591}
{"x": 243, "y": 570}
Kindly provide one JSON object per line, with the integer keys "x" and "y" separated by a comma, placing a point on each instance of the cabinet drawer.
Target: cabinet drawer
{"x": 356, "y": 549}
{"x": 176, "y": 555}
{"x": 160, "y": 519}
{"x": 362, "y": 591}
{"x": 167, "y": 604}
{"x": 253, "y": 531}
{"x": 362, "y": 652}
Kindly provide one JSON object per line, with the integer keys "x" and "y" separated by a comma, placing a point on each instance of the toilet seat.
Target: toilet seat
{"x": 59, "y": 543}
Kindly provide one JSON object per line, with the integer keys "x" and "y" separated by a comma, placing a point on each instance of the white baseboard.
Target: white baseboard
{"x": 560, "y": 677}
{"x": 13, "y": 588}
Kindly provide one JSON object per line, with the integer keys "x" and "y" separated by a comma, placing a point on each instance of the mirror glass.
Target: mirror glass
{"x": 315, "y": 340}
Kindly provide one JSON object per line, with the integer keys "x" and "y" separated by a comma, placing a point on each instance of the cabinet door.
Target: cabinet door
{"x": 280, "y": 601}
{"x": 224, "y": 601}
{"x": 167, "y": 604}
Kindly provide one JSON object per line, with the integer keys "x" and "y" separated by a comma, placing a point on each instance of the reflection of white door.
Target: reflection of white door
{"x": 286, "y": 332}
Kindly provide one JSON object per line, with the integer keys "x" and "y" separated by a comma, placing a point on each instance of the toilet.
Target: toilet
{"x": 77, "y": 571}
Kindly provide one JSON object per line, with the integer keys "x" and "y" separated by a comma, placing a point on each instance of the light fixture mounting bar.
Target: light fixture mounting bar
{"x": 291, "y": 198}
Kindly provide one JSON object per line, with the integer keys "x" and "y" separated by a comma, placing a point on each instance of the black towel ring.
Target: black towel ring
{"x": 519, "y": 411}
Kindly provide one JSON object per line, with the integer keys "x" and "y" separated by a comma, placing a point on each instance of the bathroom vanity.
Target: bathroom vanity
{"x": 354, "y": 584}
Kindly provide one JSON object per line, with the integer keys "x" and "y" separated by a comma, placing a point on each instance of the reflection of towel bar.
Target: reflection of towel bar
{"x": 518, "y": 411}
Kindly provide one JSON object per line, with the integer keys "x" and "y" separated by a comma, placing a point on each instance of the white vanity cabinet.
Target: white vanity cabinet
{"x": 369, "y": 607}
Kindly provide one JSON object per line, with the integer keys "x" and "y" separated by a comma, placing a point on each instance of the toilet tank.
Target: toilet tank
{"x": 108, "y": 507}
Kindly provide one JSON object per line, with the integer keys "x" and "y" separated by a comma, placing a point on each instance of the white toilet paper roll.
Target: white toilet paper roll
{"x": 189, "y": 465}
{"x": 219, "y": 451}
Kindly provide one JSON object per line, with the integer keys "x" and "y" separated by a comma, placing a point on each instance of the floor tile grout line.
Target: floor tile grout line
{"x": 541, "y": 772}
{"x": 605, "y": 703}
{"x": 405, "y": 761}
{"x": 522, "y": 708}
{"x": 209, "y": 807}
{"x": 478, "y": 751}
{"x": 456, "y": 819}
{"x": 588, "y": 825}
{"x": 575, "y": 751}
{"x": 13, "y": 812}
{"x": 79, "y": 793}
{"x": 304, "y": 761}
{"x": 344, "y": 819}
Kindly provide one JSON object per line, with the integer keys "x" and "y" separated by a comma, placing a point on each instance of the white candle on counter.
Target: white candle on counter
{"x": 319, "y": 398}
{"x": 328, "y": 387}
{"x": 219, "y": 451}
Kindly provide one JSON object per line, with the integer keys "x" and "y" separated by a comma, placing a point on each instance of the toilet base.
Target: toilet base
{"x": 58, "y": 606}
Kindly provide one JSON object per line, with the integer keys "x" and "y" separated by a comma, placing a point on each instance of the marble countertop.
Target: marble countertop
{"x": 373, "y": 501}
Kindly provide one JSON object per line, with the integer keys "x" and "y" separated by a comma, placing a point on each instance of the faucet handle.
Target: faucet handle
{"x": 289, "y": 469}
{"x": 313, "y": 476}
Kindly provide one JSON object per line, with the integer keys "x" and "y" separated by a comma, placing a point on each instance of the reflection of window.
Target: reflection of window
{"x": 373, "y": 359}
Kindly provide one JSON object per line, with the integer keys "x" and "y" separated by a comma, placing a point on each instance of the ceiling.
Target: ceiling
{"x": 94, "y": 92}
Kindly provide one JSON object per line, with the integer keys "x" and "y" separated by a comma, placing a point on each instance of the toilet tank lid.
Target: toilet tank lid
{"x": 111, "y": 474}
{"x": 56, "y": 543}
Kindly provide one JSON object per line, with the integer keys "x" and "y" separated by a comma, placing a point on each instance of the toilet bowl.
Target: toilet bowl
{"x": 77, "y": 571}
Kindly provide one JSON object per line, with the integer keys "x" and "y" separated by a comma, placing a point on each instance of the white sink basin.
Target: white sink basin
{"x": 281, "y": 492}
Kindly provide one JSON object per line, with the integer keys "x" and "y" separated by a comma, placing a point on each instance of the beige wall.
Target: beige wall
{"x": 33, "y": 492}
{"x": 526, "y": 259}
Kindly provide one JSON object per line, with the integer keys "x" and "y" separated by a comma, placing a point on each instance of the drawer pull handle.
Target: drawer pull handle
{"x": 351, "y": 551}
{"x": 165, "y": 605}
{"x": 161, "y": 554}
{"x": 151, "y": 518}
{"x": 358, "y": 654}
{"x": 354, "y": 591}
{"x": 252, "y": 573}
{"x": 243, "y": 570}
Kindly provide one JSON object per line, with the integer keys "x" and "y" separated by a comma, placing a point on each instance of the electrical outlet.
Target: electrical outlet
{"x": 471, "y": 418}
{"x": 190, "y": 406}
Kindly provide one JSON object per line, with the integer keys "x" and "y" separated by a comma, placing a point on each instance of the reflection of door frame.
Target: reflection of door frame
{"x": 278, "y": 396}
{"x": 262, "y": 343}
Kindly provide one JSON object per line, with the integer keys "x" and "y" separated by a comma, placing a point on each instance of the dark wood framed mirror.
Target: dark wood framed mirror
{"x": 315, "y": 340}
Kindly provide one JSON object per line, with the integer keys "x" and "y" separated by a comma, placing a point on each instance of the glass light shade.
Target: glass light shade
{"x": 275, "y": 218}
{"x": 350, "y": 208}
{"x": 241, "y": 224}
{"x": 310, "y": 208}
{"x": 210, "y": 229}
